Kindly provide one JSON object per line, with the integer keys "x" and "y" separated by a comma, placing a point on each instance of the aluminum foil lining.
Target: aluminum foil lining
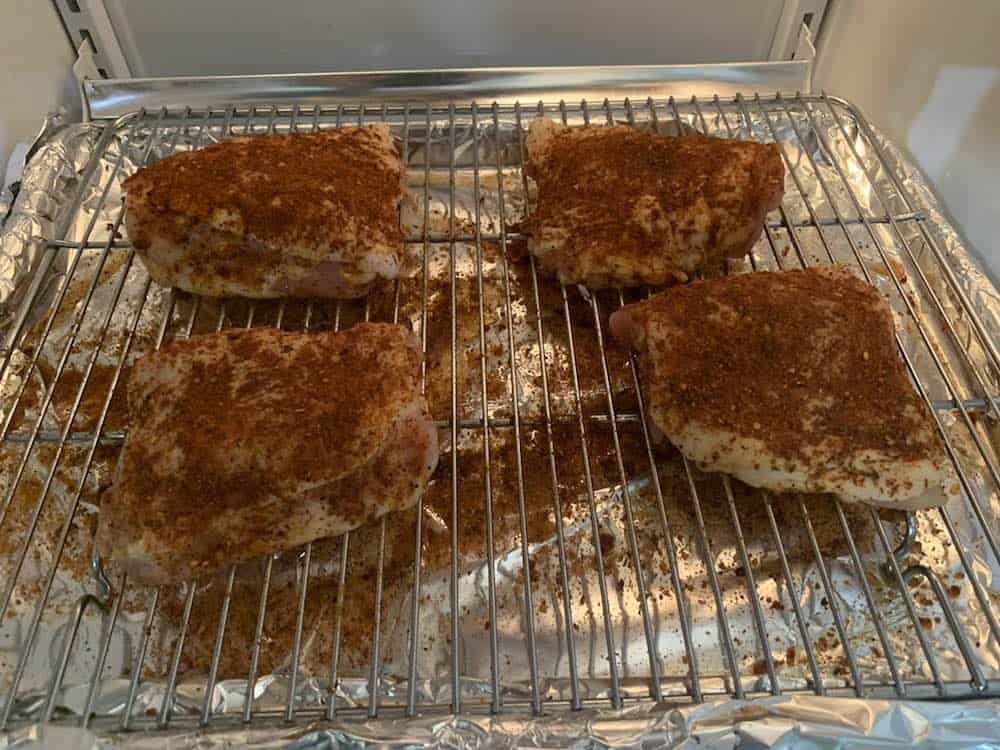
{"x": 39, "y": 205}
{"x": 798, "y": 721}
{"x": 49, "y": 184}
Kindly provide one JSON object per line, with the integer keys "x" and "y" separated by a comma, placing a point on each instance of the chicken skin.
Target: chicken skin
{"x": 789, "y": 381}
{"x": 619, "y": 207}
{"x": 265, "y": 216}
{"x": 249, "y": 442}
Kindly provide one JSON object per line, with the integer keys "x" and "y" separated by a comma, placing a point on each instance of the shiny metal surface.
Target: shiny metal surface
{"x": 111, "y": 98}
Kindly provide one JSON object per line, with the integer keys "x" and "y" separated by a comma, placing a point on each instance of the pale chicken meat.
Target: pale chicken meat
{"x": 618, "y": 206}
{"x": 790, "y": 381}
{"x": 249, "y": 442}
{"x": 264, "y": 216}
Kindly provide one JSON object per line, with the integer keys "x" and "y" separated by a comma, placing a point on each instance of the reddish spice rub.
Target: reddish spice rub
{"x": 265, "y": 215}
{"x": 249, "y": 442}
{"x": 617, "y": 206}
{"x": 790, "y": 381}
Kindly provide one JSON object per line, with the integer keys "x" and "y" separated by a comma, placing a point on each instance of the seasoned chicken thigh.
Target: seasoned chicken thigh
{"x": 617, "y": 206}
{"x": 789, "y": 381}
{"x": 249, "y": 442}
{"x": 301, "y": 215}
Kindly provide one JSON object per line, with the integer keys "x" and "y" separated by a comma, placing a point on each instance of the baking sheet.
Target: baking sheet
{"x": 429, "y": 154}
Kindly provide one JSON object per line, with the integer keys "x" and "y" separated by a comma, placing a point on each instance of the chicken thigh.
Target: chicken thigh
{"x": 789, "y": 381}
{"x": 249, "y": 442}
{"x": 300, "y": 215}
{"x": 617, "y": 206}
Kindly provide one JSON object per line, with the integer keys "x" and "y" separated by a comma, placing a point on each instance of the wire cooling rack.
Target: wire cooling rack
{"x": 546, "y": 383}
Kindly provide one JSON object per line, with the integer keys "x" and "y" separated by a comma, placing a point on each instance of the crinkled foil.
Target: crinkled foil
{"x": 33, "y": 210}
{"x": 48, "y": 185}
{"x": 782, "y": 721}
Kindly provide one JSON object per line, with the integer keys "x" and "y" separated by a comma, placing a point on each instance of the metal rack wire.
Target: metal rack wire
{"x": 956, "y": 375}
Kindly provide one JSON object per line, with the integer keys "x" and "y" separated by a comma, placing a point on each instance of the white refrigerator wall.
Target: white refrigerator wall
{"x": 191, "y": 37}
{"x": 928, "y": 73}
{"x": 36, "y": 59}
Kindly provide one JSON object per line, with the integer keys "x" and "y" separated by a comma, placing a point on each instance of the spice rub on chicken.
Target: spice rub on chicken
{"x": 248, "y": 442}
{"x": 617, "y": 206}
{"x": 263, "y": 216}
{"x": 790, "y": 381}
